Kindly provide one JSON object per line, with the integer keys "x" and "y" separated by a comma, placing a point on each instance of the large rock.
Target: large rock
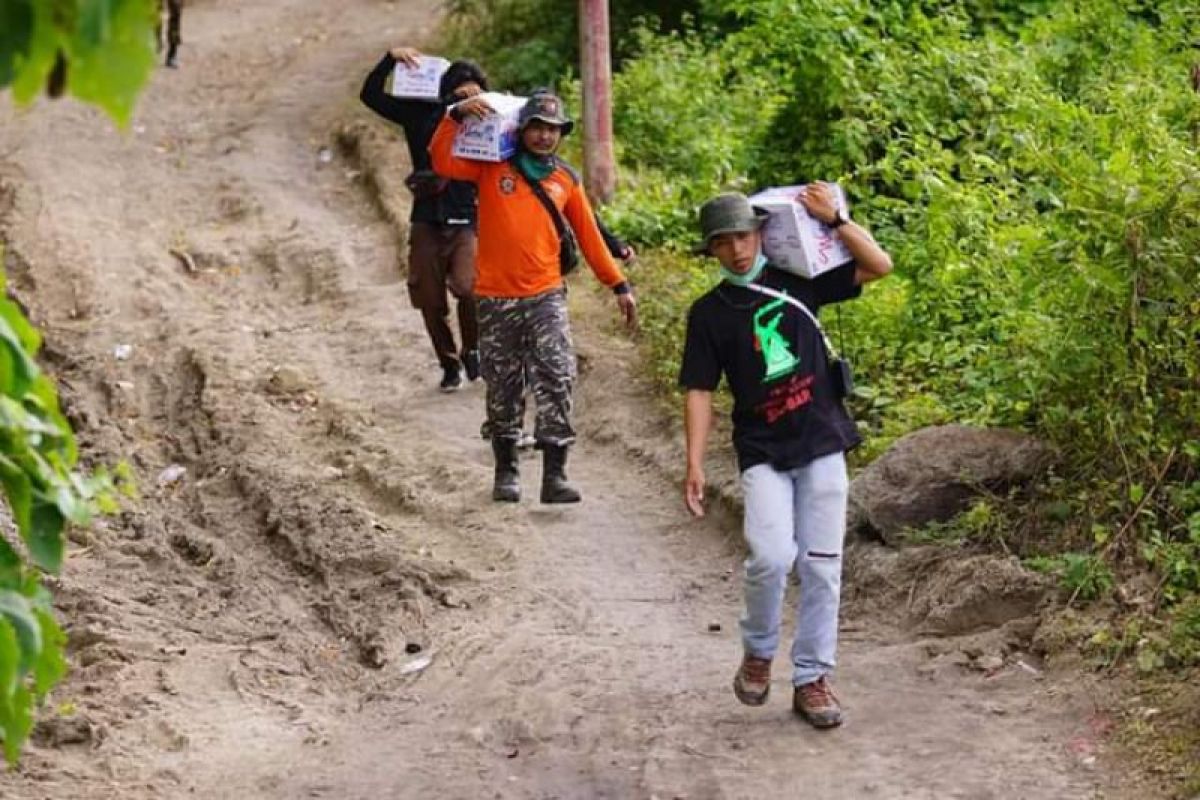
{"x": 933, "y": 474}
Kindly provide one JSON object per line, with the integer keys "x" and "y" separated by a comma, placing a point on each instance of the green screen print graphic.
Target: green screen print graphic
{"x": 778, "y": 358}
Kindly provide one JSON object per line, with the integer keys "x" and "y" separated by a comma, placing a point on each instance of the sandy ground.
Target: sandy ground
{"x": 263, "y": 626}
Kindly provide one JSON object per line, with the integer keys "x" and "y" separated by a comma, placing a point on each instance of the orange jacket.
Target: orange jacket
{"x": 518, "y": 245}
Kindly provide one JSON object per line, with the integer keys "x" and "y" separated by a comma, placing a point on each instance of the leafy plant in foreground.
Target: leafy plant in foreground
{"x": 102, "y": 52}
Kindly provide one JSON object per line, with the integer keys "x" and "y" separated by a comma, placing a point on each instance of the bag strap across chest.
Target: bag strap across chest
{"x": 787, "y": 298}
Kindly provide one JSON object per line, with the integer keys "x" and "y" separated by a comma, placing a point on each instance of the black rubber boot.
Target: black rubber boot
{"x": 507, "y": 485}
{"x": 555, "y": 488}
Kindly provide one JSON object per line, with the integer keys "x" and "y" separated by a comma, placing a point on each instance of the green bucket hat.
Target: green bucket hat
{"x": 727, "y": 213}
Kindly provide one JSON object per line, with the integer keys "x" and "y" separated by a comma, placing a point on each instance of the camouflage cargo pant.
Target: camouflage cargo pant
{"x": 528, "y": 336}
{"x": 174, "y": 11}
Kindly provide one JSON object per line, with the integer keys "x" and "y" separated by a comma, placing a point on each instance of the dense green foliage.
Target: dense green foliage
{"x": 102, "y": 52}
{"x": 1031, "y": 166}
{"x": 530, "y": 44}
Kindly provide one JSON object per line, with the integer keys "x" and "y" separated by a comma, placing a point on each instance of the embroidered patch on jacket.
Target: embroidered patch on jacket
{"x": 508, "y": 184}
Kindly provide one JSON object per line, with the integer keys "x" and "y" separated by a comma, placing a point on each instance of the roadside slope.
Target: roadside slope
{"x": 245, "y": 630}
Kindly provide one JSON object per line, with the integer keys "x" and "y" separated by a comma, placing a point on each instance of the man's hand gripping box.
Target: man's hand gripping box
{"x": 794, "y": 240}
{"x": 493, "y": 138}
{"x": 421, "y": 82}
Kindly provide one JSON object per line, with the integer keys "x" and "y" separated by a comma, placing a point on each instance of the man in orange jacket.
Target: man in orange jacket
{"x": 523, "y": 325}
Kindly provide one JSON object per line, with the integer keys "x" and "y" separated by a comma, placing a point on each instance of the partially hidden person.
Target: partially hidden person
{"x": 442, "y": 239}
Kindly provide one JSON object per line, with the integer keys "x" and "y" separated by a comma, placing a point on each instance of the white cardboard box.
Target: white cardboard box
{"x": 421, "y": 82}
{"x": 493, "y": 138}
{"x": 795, "y": 241}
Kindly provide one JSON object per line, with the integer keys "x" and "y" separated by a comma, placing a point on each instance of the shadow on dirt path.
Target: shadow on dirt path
{"x": 326, "y": 603}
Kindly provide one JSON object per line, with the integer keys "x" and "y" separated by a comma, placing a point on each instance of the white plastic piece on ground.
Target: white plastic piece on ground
{"x": 417, "y": 665}
{"x": 171, "y": 475}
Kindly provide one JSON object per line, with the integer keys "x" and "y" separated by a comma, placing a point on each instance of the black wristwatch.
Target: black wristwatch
{"x": 839, "y": 219}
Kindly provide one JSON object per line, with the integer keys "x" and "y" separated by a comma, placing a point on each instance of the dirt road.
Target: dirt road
{"x": 257, "y": 628}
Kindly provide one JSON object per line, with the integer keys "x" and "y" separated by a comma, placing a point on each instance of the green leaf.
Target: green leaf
{"x": 16, "y": 717}
{"x": 18, "y": 369}
{"x": 10, "y": 662}
{"x": 18, "y": 490}
{"x": 72, "y": 506}
{"x": 44, "y": 539}
{"x": 38, "y": 58}
{"x": 51, "y": 665}
{"x": 16, "y": 35}
{"x": 112, "y": 54}
{"x": 15, "y": 608}
{"x": 26, "y": 334}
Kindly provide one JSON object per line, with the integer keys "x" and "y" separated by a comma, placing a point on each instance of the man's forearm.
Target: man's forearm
{"x": 375, "y": 98}
{"x": 871, "y": 260}
{"x": 441, "y": 154}
{"x": 697, "y": 423}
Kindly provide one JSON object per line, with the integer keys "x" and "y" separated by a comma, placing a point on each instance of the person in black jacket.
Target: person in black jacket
{"x": 442, "y": 238}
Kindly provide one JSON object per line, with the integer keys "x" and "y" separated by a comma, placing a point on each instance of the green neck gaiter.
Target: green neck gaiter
{"x": 534, "y": 167}
{"x": 749, "y": 276}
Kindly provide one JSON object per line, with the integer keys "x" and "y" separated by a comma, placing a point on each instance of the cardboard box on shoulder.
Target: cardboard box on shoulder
{"x": 493, "y": 138}
{"x": 795, "y": 241}
{"x": 421, "y": 82}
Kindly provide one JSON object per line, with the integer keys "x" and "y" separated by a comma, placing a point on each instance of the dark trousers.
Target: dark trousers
{"x": 524, "y": 340}
{"x": 174, "y": 10}
{"x": 441, "y": 258}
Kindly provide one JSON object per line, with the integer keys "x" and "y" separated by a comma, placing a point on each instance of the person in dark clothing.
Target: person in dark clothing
{"x": 174, "y": 12}
{"x": 442, "y": 235}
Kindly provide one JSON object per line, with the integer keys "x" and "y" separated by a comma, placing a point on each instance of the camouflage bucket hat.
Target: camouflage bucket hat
{"x": 548, "y": 108}
{"x": 727, "y": 213}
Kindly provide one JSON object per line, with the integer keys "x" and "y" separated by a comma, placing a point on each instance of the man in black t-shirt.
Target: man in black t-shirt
{"x": 790, "y": 431}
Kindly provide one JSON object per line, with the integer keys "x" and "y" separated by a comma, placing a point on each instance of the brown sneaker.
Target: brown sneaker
{"x": 752, "y": 683}
{"x": 817, "y": 704}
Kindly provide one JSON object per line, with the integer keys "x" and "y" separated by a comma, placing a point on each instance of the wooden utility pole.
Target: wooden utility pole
{"x": 599, "y": 167}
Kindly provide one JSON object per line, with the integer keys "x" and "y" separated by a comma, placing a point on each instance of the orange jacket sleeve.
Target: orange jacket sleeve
{"x": 441, "y": 152}
{"x": 579, "y": 213}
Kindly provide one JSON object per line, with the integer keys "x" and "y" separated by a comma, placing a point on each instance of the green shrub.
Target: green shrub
{"x": 1040, "y": 198}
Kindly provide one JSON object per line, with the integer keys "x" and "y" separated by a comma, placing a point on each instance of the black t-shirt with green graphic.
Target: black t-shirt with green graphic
{"x": 786, "y": 412}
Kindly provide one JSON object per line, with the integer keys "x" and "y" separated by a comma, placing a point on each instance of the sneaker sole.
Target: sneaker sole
{"x": 748, "y": 699}
{"x": 817, "y": 722}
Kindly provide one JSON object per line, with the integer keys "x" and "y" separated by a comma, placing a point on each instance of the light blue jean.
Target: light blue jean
{"x": 795, "y": 520}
